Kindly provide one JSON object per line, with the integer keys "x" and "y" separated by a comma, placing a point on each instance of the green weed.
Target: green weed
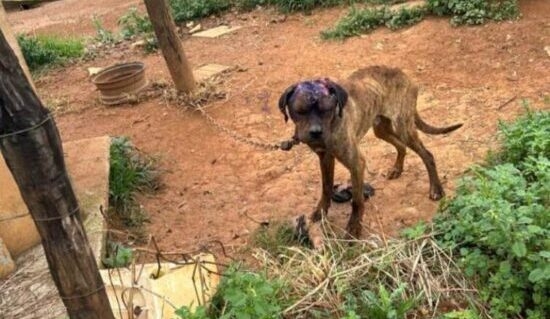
{"x": 276, "y": 237}
{"x": 103, "y": 35}
{"x": 130, "y": 172}
{"x": 135, "y": 25}
{"x": 242, "y": 294}
{"x": 474, "y": 11}
{"x": 43, "y": 51}
{"x": 185, "y": 10}
{"x": 358, "y": 21}
{"x": 498, "y": 224}
{"x": 117, "y": 256}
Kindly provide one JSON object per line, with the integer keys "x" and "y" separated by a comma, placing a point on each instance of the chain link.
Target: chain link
{"x": 238, "y": 137}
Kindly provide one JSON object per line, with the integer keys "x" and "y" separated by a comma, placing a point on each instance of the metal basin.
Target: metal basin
{"x": 117, "y": 84}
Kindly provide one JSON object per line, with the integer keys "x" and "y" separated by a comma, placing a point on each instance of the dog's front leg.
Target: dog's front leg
{"x": 355, "y": 163}
{"x": 326, "y": 161}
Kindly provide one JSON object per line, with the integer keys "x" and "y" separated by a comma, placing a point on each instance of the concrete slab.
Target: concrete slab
{"x": 156, "y": 297}
{"x": 209, "y": 70}
{"x": 216, "y": 32}
{"x": 30, "y": 292}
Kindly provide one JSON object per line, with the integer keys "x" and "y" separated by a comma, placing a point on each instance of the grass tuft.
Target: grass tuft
{"x": 42, "y": 51}
{"x": 130, "y": 172}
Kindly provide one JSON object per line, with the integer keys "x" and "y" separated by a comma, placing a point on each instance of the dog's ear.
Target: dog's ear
{"x": 283, "y": 100}
{"x": 340, "y": 94}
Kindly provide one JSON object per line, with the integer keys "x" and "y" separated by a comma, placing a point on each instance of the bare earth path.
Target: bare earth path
{"x": 212, "y": 182}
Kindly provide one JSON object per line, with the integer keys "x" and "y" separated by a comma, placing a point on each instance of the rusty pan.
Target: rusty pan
{"x": 117, "y": 84}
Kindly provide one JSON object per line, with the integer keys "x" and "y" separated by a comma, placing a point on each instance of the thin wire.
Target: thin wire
{"x": 49, "y": 219}
{"x": 84, "y": 295}
{"x": 49, "y": 117}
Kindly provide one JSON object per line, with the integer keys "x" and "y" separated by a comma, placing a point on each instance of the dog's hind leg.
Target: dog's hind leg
{"x": 326, "y": 161}
{"x": 383, "y": 130}
{"x": 436, "y": 190}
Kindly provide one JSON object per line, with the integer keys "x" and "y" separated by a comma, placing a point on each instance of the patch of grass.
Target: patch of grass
{"x": 135, "y": 25}
{"x": 117, "y": 256}
{"x": 370, "y": 279}
{"x": 43, "y": 51}
{"x": 498, "y": 224}
{"x": 474, "y": 11}
{"x": 130, "y": 172}
{"x": 185, "y": 10}
{"x": 304, "y": 5}
{"x": 242, "y": 294}
{"x": 103, "y": 35}
{"x": 276, "y": 238}
{"x": 358, "y": 21}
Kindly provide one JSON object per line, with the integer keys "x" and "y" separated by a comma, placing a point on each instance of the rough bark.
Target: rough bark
{"x": 35, "y": 158}
{"x": 170, "y": 45}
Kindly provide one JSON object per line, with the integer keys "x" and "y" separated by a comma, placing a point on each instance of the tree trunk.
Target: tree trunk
{"x": 35, "y": 158}
{"x": 170, "y": 45}
{"x": 12, "y": 40}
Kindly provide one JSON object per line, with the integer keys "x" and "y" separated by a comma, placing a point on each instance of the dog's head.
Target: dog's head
{"x": 314, "y": 107}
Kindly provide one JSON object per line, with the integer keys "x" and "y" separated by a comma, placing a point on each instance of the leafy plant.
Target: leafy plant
{"x": 130, "y": 172}
{"x": 117, "y": 256}
{"x": 498, "y": 222}
{"x": 184, "y": 10}
{"x": 241, "y": 294}
{"x": 45, "y": 50}
{"x": 381, "y": 304}
{"x": 103, "y": 35}
{"x": 474, "y": 11}
{"x": 134, "y": 25}
{"x": 276, "y": 238}
{"x": 358, "y": 21}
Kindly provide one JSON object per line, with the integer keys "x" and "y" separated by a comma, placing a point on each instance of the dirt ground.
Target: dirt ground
{"x": 215, "y": 186}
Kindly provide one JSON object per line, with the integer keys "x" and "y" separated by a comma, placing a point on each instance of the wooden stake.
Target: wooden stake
{"x": 31, "y": 146}
{"x": 170, "y": 45}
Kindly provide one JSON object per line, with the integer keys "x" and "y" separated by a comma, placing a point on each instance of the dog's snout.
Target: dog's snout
{"x": 315, "y": 131}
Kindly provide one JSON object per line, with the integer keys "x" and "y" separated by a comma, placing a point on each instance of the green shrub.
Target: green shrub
{"x": 499, "y": 222}
{"x": 130, "y": 172}
{"x": 474, "y": 11}
{"x": 242, "y": 294}
{"x": 136, "y": 25}
{"x": 184, "y": 10}
{"x": 380, "y": 305}
{"x": 358, "y": 21}
{"x": 103, "y": 35}
{"x": 41, "y": 51}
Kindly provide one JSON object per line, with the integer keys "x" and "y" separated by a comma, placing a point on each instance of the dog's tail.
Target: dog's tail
{"x": 427, "y": 128}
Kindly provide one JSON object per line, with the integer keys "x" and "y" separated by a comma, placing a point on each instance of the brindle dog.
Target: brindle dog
{"x": 332, "y": 118}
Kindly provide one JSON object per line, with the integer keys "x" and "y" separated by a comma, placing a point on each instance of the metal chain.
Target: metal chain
{"x": 238, "y": 137}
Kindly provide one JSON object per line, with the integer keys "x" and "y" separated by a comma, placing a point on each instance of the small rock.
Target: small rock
{"x": 508, "y": 37}
{"x": 190, "y": 24}
{"x": 278, "y": 19}
{"x": 195, "y": 29}
{"x": 137, "y": 45}
{"x": 547, "y": 49}
{"x": 94, "y": 70}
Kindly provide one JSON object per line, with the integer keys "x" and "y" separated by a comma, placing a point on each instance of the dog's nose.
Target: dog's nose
{"x": 315, "y": 131}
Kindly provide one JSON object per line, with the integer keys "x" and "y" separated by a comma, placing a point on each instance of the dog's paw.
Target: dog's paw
{"x": 354, "y": 231}
{"x": 394, "y": 173}
{"x": 437, "y": 193}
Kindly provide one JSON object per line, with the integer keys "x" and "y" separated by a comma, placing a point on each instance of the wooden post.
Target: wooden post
{"x": 12, "y": 40}
{"x": 31, "y": 146}
{"x": 170, "y": 45}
